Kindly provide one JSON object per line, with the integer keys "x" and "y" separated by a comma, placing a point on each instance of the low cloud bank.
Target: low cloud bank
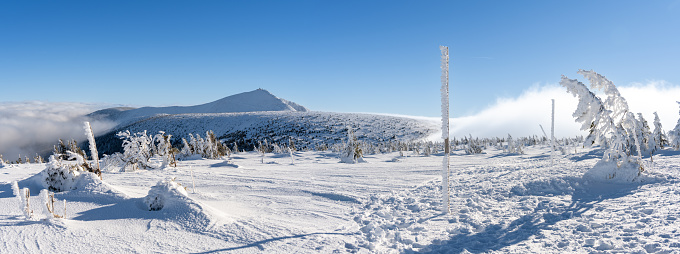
{"x": 27, "y": 128}
{"x": 522, "y": 116}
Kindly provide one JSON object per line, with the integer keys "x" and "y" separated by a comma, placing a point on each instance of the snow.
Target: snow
{"x": 307, "y": 129}
{"x": 257, "y": 100}
{"x": 500, "y": 202}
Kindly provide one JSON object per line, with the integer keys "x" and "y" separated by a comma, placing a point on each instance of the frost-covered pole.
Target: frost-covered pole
{"x": 446, "y": 203}
{"x": 93, "y": 146}
{"x": 552, "y": 135}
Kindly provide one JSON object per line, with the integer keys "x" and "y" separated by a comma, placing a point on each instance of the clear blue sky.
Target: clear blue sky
{"x": 343, "y": 56}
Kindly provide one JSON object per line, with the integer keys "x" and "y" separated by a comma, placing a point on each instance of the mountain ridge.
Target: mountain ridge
{"x": 253, "y": 101}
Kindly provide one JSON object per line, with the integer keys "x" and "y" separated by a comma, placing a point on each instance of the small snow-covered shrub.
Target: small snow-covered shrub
{"x": 209, "y": 148}
{"x": 2, "y": 162}
{"x": 513, "y": 147}
{"x": 61, "y": 175}
{"x": 352, "y": 152}
{"x": 113, "y": 163}
{"x": 163, "y": 194}
{"x": 22, "y": 196}
{"x": 674, "y": 135}
{"x": 473, "y": 146}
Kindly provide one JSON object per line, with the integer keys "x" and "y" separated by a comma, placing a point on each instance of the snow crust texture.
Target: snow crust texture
{"x": 501, "y": 203}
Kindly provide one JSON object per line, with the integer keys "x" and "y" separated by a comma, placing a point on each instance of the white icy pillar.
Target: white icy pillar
{"x": 552, "y": 135}
{"x": 446, "y": 203}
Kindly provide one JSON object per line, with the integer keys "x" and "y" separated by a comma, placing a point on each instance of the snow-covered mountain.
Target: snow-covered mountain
{"x": 258, "y": 115}
{"x": 306, "y": 129}
{"x": 253, "y": 101}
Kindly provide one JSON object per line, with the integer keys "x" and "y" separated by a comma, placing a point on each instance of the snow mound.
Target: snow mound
{"x": 611, "y": 172}
{"x": 172, "y": 199}
{"x": 165, "y": 192}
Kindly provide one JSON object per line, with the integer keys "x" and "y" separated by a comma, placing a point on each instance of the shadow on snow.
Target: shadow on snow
{"x": 495, "y": 237}
{"x": 259, "y": 244}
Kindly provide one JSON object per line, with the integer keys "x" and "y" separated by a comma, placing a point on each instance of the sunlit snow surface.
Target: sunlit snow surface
{"x": 503, "y": 203}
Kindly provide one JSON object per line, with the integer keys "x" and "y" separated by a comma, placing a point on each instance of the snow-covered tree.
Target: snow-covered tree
{"x": 137, "y": 148}
{"x": 644, "y": 135}
{"x": 210, "y": 147}
{"x": 352, "y": 152}
{"x": 163, "y": 148}
{"x": 674, "y": 135}
{"x": 513, "y": 147}
{"x": 473, "y": 146}
{"x": 610, "y": 124}
{"x": 659, "y": 139}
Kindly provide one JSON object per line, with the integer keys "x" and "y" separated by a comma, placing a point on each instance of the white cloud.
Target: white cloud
{"x": 521, "y": 116}
{"x": 30, "y": 127}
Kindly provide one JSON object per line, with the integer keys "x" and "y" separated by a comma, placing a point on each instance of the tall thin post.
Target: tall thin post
{"x": 552, "y": 135}
{"x": 93, "y": 147}
{"x": 446, "y": 202}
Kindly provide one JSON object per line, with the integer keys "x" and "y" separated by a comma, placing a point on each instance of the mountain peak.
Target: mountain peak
{"x": 252, "y": 101}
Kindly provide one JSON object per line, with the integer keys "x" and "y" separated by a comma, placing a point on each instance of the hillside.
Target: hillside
{"x": 253, "y": 101}
{"x": 306, "y": 129}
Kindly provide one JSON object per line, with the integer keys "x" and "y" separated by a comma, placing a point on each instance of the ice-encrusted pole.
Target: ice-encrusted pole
{"x": 446, "y": 203}
{"x": 93, "y": 147}
{"x": 552, "y": 135}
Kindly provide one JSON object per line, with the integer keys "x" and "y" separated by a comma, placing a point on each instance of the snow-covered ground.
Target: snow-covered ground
{"x": 500, "y": 202}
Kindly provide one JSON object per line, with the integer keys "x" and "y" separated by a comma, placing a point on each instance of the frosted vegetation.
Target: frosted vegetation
{"x": 298, "y": 181}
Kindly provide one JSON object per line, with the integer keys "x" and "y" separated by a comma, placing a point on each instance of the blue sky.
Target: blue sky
{"x": 342, "y": 56}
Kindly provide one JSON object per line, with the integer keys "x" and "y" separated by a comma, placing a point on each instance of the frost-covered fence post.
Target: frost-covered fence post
{"x": 552, "y": 135}
{"x": 446, "y": 203}
{"x": 93, "y": 147}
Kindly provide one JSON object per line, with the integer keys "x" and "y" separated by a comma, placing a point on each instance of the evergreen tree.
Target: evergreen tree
{"x": 674, "y": 136}
{"x": 659, "y": 139}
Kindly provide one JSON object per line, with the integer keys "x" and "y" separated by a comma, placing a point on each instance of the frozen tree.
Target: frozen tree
{"x": 137, "y": 148}
{"x": 644, "y": 135}
{"x": 2, "y": 162}
{"x": 163, "y": 148}
{"x": 674, "y": 136}
{"x": 352, "y": 152}
{"x": 513, "y": 147}
{"x": 659, "y": 139}
{"x": 473, "y": 146}
{"x": 609, "y": 123}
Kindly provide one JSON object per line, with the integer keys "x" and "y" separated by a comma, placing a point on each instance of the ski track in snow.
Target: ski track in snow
{"x": 499, "y": 203}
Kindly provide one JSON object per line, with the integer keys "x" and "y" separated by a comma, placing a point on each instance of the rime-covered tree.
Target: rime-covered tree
{"x": 610, "y": 124}
{"x": 659, "y": 139}
{"x": 674, "y": 135}
{"x": 644, "y": 135}
{"x": 137, "y": 148}
{"x": 352, "y": 152}
{"x": 163, "y": 148}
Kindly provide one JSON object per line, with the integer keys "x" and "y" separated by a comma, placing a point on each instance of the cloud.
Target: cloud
{"x": 521, "y": 116}
{"x": 32, "y": 127}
